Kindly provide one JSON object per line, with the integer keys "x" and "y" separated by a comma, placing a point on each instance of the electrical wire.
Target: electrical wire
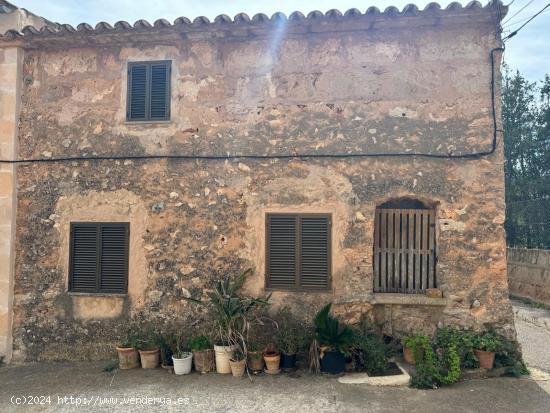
{"x": 521, "y": 21}
{"x": 472, "y": 155}
{"x": 516, "y": 13}
{"x": 525, "y": 24}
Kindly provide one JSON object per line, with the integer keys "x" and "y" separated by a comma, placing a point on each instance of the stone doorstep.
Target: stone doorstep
{"x": 470, "y": 374}
{"x": 364, "y": 378}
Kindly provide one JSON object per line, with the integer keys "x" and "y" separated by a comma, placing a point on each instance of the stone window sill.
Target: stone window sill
{"x": 408, "y": 299}
{"x": 147, "y": 122}
{"x": 97, "y": 294}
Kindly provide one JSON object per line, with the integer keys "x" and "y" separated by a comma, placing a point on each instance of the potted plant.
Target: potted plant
{"x": 255, "y": 358}
{"x": 203, "y": 355}
{"x": 290, "y": 337}
{"x": 409, "y": 344}
{"x": 335, "y": 341}
{"x": 149, "y": 351}
{"x": 233, "y": 314}
{"x": 238, "y": 362}
{"x": 272, "y": 359}
{"x": 183, "y": 359}
{"x": 485, "y": 347}
{"x": 128, "y": 356}
{"x": 166, "y": 344}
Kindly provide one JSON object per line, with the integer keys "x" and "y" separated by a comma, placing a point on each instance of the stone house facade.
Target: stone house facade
{"x": 347, "y": 158}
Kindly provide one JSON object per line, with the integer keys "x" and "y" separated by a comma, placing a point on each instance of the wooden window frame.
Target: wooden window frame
{"x": 148, "y": 88}
{"x": 99, "y": 226}
{"x": 297, "y": 287}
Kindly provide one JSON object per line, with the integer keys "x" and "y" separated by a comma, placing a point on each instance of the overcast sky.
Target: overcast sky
{"x": 528, "y": 51}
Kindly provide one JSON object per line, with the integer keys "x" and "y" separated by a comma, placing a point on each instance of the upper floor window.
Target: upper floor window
{"x": 404, "y": 258}
{"x": 99, "y": 257}
{"x": 148, "y": 91}
{"x": 298, "y": 251}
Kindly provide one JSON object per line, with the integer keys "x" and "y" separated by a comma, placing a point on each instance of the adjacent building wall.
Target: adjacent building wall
{"x": 11, "y": 68}
{"x": 529, "y": 274}
{"x": 18, "y": 18}
{"x": 413, "y": 84}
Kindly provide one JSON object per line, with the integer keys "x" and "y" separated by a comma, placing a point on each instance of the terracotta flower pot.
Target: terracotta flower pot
{"x": 149, "y": 358}
{"x": 255, "y": 361}
{"x": 486, "y": 358}
{"x": 204, "y": 360}
{"x": 237, "y": 367}
{"x": 128, "y": 358}
{"x": 408, "y": 355}
{"x": 272, "y": 361}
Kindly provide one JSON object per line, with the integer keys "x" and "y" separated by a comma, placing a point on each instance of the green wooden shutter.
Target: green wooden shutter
{"x": 281, "y": 251}
{"x": 137, "y": 92}
{"x": 84, "y": 265}
{"x": 114, "y": 257}
{"x": 149, "y": 91}
{"x": 314, "y": 252}
{"x": 160, "y": 92}
{"x": 298, "y": 251}
{"x": 98, "y": 260}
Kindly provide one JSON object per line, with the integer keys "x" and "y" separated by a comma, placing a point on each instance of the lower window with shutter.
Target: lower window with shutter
{"x": 298, "y": 251}
{"x": 98, "y": 260}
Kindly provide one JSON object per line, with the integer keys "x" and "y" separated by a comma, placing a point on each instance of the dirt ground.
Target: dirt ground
{"x": 93, "y": 390}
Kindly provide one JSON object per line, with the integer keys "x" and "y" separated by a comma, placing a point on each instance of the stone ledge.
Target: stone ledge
{"x": 409, "y": 299}
{"x": 363, "y": 378}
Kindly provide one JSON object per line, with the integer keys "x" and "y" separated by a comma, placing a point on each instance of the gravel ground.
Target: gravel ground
{"x": 217, "y": 393}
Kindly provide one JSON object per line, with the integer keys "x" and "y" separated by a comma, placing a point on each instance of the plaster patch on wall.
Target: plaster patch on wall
{"x": 115, "y": 206}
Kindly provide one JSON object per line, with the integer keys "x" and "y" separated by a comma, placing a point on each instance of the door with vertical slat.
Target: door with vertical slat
{"x": 404, "y": 258}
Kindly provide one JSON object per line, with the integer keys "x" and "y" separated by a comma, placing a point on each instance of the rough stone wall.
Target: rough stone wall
{"x": 529, "y": 273}
{"x": 402, "y": 89}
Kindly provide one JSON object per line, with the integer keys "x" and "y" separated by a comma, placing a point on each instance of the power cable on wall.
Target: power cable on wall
{"x": 472, "y": 155}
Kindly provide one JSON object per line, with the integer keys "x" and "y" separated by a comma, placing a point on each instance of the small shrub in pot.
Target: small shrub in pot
{"x": 149, "y": 351}
{"x": 238, "y": 362}
{"x": 128, "y": 356}
{"x": 485, "y": 347}
{"x": 203, "y": 353}
{"x": 272, "y": 358}
{"x": 182, "y": 358}
{"x": 166, "y": 345}
{"x": 291, "y": 336}
{"x": 255, "y": 360}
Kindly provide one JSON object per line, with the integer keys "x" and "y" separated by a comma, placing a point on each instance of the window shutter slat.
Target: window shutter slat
{"x": 84, "y": 239}
{"x": 138, "y": 92}
{"x": 314, "y": 249}
{"x": 114, "y": 250}
{"x": 281, "y": 251}
{"x": 159, "y": 91}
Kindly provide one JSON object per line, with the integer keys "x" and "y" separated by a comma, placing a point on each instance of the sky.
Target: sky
{"x": 528, "y": 51}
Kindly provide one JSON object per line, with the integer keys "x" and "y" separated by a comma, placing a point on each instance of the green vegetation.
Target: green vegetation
{"x": 331, "y": 333}
{"x": 199, "y": 343}
{"x": 488, "y": 341}
{"x": 292, "y": 332}
{"x": 526, "y": 125}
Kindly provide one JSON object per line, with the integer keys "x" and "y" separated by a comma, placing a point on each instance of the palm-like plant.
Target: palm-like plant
{"x": 331, "y": 333}
{"x": 233, "y": 312}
